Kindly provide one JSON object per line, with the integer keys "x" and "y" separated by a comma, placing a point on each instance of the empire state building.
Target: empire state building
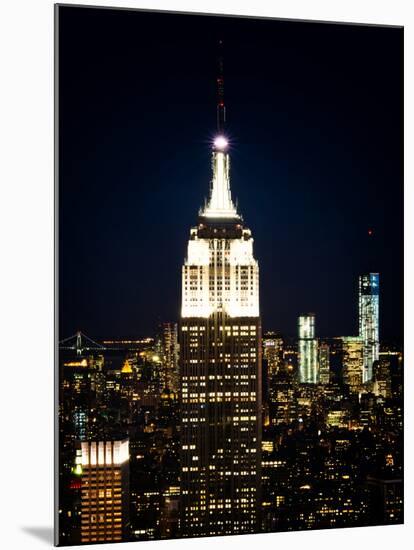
{"x": 220, "y": 366}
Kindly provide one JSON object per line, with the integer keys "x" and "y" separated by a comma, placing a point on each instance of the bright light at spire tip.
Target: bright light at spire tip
{"x": 220, "y": 142}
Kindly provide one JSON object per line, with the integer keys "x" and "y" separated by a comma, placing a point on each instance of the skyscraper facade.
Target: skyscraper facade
{"x": 273, "y": 352}
{"x": 105, "y": 491}
{"x": 220, "y": 368}
{"x": 324, "y": 364}
{"x": 352, "y": 362}
{"x": 170, "y": 356}
{"x": 382, "y": 378}
{"x": 369, "y": 321}
{"x": 308, "y": 350}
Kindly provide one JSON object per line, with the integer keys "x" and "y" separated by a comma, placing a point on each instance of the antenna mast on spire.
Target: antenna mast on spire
{"x": 221, "y": 109}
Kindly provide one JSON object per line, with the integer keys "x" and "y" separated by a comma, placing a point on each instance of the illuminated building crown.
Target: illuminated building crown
{"x": 220, "y": 272}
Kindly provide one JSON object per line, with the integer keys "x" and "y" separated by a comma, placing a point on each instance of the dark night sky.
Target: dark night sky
{"x": 315, "y": 121}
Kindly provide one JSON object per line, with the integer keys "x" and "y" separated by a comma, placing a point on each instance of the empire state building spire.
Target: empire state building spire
{"x": 220, "y": 204}
{"x": 221, "y": 109}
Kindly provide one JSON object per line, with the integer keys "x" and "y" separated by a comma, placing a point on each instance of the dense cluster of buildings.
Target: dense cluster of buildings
{"x": 330, "y": 452}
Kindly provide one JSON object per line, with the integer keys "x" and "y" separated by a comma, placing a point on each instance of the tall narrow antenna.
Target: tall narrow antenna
{"x": 221, "y": 109}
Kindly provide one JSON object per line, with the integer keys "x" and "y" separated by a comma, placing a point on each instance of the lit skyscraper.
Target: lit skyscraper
{"x": 273, "y": 352}
{"x": 352, "y": 361}
{"x": 170, "y": 356}
{"x": 369, "y": 321}
{"x": 324, "y": 364}
{"x": 105, "y": 491}
{"x": 382, "y": 378}
{"x": 308, "y": 350}
{"x": 220, "y": 366}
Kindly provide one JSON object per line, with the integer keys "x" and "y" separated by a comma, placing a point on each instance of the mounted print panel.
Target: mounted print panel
{"x": 229, "y": 275}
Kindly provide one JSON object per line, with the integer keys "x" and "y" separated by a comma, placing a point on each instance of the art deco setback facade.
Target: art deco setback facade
{"x": 220, "y": 369}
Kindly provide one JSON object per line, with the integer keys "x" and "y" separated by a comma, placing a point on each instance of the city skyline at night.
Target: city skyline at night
{"x": 198, "y": 396}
